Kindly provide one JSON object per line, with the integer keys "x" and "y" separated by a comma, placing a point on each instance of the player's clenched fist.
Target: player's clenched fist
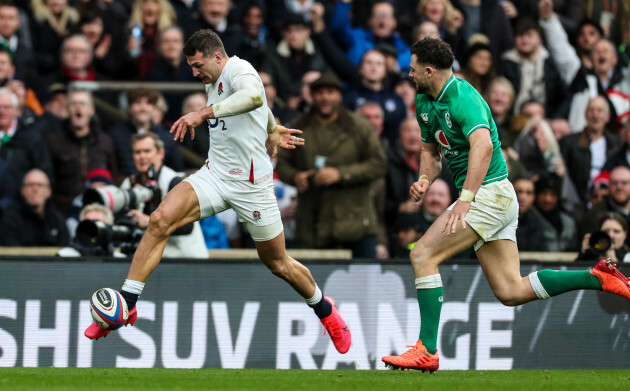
{"x": 418, "y": 190}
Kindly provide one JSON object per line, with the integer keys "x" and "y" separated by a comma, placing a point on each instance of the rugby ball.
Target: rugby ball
{"x": 109, "y": 309}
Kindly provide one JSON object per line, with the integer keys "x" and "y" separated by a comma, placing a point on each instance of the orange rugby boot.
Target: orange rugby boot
{"x": 611, "y": 278}
{"x": 417, "y": 358}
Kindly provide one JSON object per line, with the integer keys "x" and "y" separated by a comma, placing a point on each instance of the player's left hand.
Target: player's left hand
{"x": 283, "y": 138}
{"x": 458, "y": 213}
{"x": 185, "y": 123}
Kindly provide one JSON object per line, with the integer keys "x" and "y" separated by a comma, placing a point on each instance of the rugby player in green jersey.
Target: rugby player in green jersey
{"x": 456, "y": 121}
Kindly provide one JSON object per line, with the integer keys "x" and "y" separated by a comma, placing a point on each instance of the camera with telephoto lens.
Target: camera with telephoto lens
{"x": 117, "y": 199}
{"x": 600, "y": 242}
{"x": 125, "y": 233}
{"x": 91, "y": 233}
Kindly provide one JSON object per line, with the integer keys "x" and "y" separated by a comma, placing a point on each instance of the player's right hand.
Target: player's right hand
{"x": 418, "y": 190}
{"x": 185, "y": 123}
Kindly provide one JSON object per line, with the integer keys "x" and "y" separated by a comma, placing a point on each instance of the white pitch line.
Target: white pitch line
{"x": 473, "y": 285}
{"x": 576, "y": 304}
{"x": 539, "y": 327}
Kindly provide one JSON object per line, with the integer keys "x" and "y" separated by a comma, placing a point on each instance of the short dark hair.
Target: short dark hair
{"x": 140, "y": 93}
{"x": 205, "y": 41}
{"x": 527, "y": 24}
{"x": 435, "y": 52}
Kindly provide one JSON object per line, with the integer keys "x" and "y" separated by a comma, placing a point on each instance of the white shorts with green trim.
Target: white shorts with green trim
{"x": 255, "y": 204}
{"x": 494, "y": 212}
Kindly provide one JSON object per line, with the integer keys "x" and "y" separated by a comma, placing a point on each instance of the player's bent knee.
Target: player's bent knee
{"x": 279, "y": 268}
{"x": 159, "y": 223}
{"x": 508, "y": 298}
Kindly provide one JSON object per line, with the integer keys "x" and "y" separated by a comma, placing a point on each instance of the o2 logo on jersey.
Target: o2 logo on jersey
{"x": 441, "y": 138}
{"x": 216, "y": 123}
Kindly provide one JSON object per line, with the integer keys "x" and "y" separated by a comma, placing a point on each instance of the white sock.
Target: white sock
{"x": 429, "y": 282}
{"x": 317, "y": 297}
{"x": 134, "y": 287}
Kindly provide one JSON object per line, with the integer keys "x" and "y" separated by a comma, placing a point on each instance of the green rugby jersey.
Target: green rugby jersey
{"x": 450, "y": 119}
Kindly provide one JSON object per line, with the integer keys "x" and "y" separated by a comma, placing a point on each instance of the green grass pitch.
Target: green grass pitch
{"x": 110, "y": 379}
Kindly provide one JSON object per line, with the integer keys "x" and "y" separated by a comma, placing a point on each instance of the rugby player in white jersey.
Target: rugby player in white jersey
{"x": 237, "y": 175}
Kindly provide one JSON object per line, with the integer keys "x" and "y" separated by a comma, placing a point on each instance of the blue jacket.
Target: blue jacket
{"x": 357, "y": 41}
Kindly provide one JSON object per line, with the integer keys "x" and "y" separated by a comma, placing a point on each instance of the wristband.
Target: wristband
{"x": 466, "y": 196}
{"x": 425, "y": 178}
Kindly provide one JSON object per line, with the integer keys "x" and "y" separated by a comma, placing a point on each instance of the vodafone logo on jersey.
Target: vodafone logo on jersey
{"x": 441, "y": 138}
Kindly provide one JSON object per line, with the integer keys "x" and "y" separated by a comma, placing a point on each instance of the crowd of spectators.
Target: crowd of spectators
{"x": 555, "y": 74}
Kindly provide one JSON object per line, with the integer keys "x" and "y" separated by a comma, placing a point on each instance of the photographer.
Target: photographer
{"x": 597, "y": 245}
{"x": 148, "y": 157}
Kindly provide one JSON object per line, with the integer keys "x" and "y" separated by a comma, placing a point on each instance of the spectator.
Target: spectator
{"x": 195, "y": 152}
{"x": 500, "y": 98}
{"x": 302, "y": 101}
{"x": 21, "y": 148}
{"x": 406, "y": 89}
{"x": 152, "y": 17}
{"x": 373, "y": 113}
{"x": 28, "y": 104}
{"x": 253, "y": 44}
{"x": 34, "y": 221}
{"x": 622, "y": 156}
{"x": 382, "y": 29}
{"x": 372, "y": 87}
{"x": 11, "y": 38}
{"x": 585, "y": 153}
{"x": 559, "y": 228}
{"x": 403, "y": 163}
{"x": 449, "y": 21}
{"x": 529, "y": 234}
{"x": 478, "y": 69}
{"x": 618, "y": 200}
{"x": 142, "y": 102}
{"x": 213, "y": 14}
{"x": 409, "y": 229}
{"x": 538, "y": 149}
{"x": 294, "y": 55}
{"x": 148, "y": 156}
{"x": 533, "y": 108}
{"x": 616, "y": 227}
{"x": 91, "y": 212}
{"x": 280, "y": 10}
{"x": 95, "y": 179}
{"x": 277, "y": 105}
{"x": 488, "y": 18}
{"x": 435, "y": 202}
{"x": 332, "y": 173}
{"x": 76, "y": 63}
{"x": 55, "y": 108}
{"x": 171, "y": 66}
{"x": 606, "y": 74}
{"x": 425, "y": 29}
{"x": 107, "y": 43}
{"x": 611, "y": 15}
{"x": 598, "y": 190}
{"x": 52, "y": 22}
{"x": 533, "y": 72}
{"x": 76, "y": 148}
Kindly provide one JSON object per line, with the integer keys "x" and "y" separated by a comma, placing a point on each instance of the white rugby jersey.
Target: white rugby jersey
{"x": 237, "y": 143}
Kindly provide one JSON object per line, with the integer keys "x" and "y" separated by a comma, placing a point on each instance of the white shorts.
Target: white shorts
{"x": 494, "y": 212}
{"x": 255, "y": 204}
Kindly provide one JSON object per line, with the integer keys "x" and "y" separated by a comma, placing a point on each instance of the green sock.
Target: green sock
{"x": 555, "y": 282}
{"x": 430, "y": 302}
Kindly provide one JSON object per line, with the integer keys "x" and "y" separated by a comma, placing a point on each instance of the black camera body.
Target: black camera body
{"x": 91, "y": 233}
